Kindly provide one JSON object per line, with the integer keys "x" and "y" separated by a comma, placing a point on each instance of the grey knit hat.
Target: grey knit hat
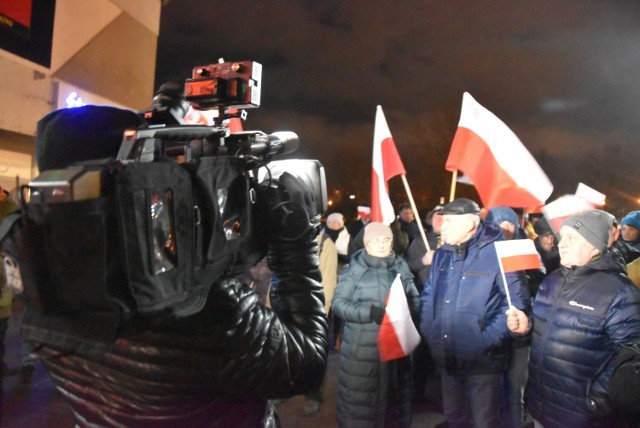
{"x": 593, "y": 226}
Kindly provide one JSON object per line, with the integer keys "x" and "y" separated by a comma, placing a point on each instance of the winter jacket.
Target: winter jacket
{"x": 333, "y": 249}
{"x": 581, "y": 318}
{"x": 216, "y": 368}
{"x": 370, "y": 392}
{"x": 7, "y": 206}
{"x": 328, "y": 267}
{"x": 464, "y": 302}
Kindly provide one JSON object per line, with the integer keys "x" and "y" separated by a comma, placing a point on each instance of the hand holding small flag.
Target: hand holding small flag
{"x": 517, "y": 321}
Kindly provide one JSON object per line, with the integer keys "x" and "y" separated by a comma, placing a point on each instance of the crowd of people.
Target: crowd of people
{"x": 538, "y": 346}
{"x": 543, "y": 355}
{"x": 544, "y": 360}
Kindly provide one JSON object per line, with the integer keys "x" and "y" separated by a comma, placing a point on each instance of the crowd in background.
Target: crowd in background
{"x": 480, "y": 347}
{"x": 489, "y": 388}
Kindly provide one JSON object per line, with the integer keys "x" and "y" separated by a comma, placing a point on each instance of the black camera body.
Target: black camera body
{"x": 176, "y": 208}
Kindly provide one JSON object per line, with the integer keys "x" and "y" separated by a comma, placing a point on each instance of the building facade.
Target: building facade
{"x": 60, "y": 53}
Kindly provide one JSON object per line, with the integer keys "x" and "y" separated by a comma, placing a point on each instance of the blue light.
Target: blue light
{"x": 73, "y": 100}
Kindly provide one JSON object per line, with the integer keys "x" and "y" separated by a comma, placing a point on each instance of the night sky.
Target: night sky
{"x": 563, "y": 75}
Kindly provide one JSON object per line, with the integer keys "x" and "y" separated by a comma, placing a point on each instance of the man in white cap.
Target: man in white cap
{"x": 584, "y": 312}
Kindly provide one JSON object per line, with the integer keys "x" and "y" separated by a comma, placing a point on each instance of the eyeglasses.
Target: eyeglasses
{"x": 382, "y": 241}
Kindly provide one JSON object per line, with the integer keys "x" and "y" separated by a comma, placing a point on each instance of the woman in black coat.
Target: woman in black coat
{"x": 372, "y": 393}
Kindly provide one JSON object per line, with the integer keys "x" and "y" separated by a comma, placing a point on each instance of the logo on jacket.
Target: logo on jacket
{"x": 574, "y": 303}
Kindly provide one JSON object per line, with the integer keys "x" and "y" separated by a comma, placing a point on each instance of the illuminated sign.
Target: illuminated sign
{"x": 74, "y": 100}
{"x": 69, "y": 96}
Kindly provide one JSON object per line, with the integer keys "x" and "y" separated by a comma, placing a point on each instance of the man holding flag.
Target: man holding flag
{"x": 463, "y": 315}
{"x": 583, "y": 315}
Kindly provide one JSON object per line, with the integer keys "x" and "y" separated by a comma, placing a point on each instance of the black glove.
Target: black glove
{"x": 291, "y": 209}
{"x": 377, "y": 313}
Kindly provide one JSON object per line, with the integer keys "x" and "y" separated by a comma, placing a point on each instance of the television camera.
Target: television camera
{"x": 189, "y": 199}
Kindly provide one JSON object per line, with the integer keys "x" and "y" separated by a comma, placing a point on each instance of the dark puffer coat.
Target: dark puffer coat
{"x": 371, "y": 393}
{"x": 213, "y": 369}
{"x": 581, "y": 318}
{"x": 464, "y": 304}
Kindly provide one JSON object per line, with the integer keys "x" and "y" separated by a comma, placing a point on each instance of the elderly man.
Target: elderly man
{"x": 463, "y": 310}
{"x": 584, "y": 312}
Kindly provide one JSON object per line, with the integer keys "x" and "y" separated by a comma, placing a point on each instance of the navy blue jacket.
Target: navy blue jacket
{"x": 581, "y": 317}
{"x": 463, "y": 305}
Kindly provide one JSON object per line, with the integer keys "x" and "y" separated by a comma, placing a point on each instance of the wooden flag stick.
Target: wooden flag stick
{"x": 415, "y": 210}
{"x": 454, "y": 178}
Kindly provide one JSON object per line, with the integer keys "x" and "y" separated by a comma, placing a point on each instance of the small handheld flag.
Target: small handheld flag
{"x": 515, "y": 255}
{"x": 398, "y": 336}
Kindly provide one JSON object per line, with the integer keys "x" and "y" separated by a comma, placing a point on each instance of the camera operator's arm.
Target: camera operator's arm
{"x": 287, "y": 347}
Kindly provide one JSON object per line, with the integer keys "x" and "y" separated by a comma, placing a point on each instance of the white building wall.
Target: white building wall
{"x": 104, "y": 48}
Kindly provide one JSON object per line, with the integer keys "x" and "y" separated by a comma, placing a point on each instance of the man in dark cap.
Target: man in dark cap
{"x": 547, "y": 247}
{"x": 584, "y": 312}
{"x": 463, "y": 305}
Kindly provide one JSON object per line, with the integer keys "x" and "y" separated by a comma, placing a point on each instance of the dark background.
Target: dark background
{"x": 563, "y": 75}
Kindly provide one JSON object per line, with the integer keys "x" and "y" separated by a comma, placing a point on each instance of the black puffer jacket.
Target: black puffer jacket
{"x": 581, "y": 317}
{"x": 214, "y": 369}
{"x": 371, "y": 393}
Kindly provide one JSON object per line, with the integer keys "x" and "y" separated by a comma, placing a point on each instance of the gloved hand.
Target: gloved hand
{"x": 292, "y": 209}
{"x": 377, "y": 313}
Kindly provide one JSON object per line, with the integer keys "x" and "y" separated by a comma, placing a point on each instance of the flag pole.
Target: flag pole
{"x": 415, "y": 210}
{"x": 504, "y": 281}
{"x": 454, "y": 178}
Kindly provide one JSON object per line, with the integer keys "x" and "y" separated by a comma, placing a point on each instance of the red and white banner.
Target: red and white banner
{"x": 517, "y": 254}
{"x": 398, "y": 336}
{"x": 386, "y": 164}
{"x": 564, "y": 207}
{"x": 495, "y": 160}
{"x": 590, "y": 195}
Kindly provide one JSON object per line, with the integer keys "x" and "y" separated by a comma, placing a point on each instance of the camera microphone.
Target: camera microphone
{"x": 261, "y": 144}
{"x": 282, "y": 143}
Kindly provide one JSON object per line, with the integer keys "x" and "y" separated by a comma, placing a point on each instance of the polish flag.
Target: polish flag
{"x": 496, "y": 161}
{"x": 398, "y": 336}
{"x": 386, "y": 164}
{"x": 591, "y": 195}
{"x": 517, "y": 254}
{"x": 364, "y": 212}
{"x": 564, "y": 207}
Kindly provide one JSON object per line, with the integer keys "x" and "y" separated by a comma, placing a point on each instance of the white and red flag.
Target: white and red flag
{"x": 564, "y": 207}
{"x": 515, "y": 255}
{"x": 591, "y": 195}
{"x": 495, "y": 160}
{"x": 398, "y": 336}
{"x": 386, "y": 164}
{"x": 518, "y": 254}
